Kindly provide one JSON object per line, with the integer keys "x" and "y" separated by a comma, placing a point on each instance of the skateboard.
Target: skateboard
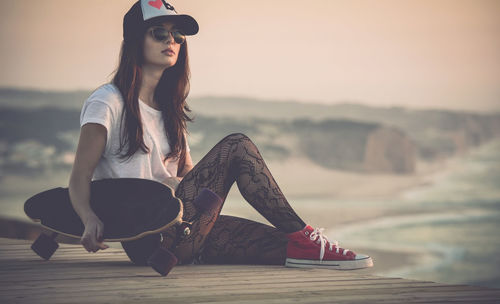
{"x": 130, "y": 209}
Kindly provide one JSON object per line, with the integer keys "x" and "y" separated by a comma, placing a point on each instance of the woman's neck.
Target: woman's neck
{"x": 150, "y": 77}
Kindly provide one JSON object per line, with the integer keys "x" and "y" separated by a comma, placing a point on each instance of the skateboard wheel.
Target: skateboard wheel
{"x": 44, "y": 246}
{"x": 140, "y": 250}
{"x": 207, "y": 200}
{"x": 162, "y": 261}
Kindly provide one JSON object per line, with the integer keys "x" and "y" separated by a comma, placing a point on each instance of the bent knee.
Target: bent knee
{"x": 237, "y": 138}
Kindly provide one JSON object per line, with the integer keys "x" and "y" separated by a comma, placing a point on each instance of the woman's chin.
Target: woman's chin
{"x": 161, "y": 65}
{"x": 167, "y": 64}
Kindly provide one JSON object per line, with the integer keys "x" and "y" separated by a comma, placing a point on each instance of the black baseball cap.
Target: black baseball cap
{"x": 146, "y": 12}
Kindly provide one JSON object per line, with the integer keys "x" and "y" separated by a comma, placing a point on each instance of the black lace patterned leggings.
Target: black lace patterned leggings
{"x": 228, "y": 239}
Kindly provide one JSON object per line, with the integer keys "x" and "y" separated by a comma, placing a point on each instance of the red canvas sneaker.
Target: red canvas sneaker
{"x": 310, "y": 248}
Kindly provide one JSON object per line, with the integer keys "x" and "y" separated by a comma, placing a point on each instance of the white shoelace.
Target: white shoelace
{"x": 318, "y": 233}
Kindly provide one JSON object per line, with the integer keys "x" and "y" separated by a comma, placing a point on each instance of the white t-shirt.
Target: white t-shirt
{"x": 105, "y": 106}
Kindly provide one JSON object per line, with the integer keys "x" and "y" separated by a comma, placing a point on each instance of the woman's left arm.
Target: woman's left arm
{"x": 187, "y": 166}
{"x": 174, "y": 181}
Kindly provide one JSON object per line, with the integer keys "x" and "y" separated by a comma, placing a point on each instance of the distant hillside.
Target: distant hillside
{"x": 334, "y": 144}
{"x": 38, "y": 140}
{"x": 45, "y": 125}
{"x": 35, "y": 98}
{"x": 350, "y": 136}
{"x": 437, "y": 133}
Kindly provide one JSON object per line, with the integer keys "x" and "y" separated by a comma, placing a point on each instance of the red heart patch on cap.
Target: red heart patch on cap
{"x": 157, "y": 4}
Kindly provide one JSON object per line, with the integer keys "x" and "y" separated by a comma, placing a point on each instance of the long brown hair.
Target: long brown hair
{"x": 170, "y": 93}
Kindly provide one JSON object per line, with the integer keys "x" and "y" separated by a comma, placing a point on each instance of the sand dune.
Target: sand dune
{"x": 299, "y": 177}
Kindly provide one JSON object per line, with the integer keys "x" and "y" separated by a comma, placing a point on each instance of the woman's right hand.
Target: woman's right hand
{"x": 93, "y": 235}
{"x": 91, "y": 146}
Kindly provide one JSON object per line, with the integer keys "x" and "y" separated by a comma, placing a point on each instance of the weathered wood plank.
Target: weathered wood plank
{"x": 194, "y": 290}
{"x": 173, "y": 276}
{"x": 75, "y": 276}
{"x": 301, "y": 297}
{"x": 438, "y": 294}
{"x": 214, "y": 283}
{"x": 48, "y": 275}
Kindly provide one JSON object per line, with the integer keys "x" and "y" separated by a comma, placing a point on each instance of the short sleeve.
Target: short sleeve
{"x": 95, "y": 111}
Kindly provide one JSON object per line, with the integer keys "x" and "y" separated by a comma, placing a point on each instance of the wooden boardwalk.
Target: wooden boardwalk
{"x": 75, "y": 276}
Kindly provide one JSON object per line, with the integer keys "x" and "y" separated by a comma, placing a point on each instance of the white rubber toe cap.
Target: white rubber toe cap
{"x": 360, "y": 256}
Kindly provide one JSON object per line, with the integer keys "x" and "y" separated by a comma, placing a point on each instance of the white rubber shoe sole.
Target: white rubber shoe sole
{"x": 361, "y": 261}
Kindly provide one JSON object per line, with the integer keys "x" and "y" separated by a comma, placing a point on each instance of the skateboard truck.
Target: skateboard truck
{"x": 185, "y": 228}
{"x": 163, "y": 260}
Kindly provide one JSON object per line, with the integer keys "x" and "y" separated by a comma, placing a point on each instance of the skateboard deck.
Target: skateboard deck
{"x": 130, "y": 208}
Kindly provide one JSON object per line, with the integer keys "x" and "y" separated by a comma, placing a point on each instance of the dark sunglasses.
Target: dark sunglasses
{"x": 161, "y": 34}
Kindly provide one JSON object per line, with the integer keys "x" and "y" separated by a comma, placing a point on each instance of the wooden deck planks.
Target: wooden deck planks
{"x": 75, "y": 276}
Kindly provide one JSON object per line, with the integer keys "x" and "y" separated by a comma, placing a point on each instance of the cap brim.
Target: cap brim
{"x": 185, "y": 23}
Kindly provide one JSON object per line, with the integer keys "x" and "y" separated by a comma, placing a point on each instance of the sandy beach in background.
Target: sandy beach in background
{"x": 301, "y": 180}
{"x": 299, "y": 177}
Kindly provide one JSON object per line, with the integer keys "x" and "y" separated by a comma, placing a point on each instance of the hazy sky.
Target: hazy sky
{"x": 414, "y": 53}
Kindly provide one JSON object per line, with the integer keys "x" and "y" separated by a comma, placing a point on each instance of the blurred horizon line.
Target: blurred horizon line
{"x": 338, "y": 102}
